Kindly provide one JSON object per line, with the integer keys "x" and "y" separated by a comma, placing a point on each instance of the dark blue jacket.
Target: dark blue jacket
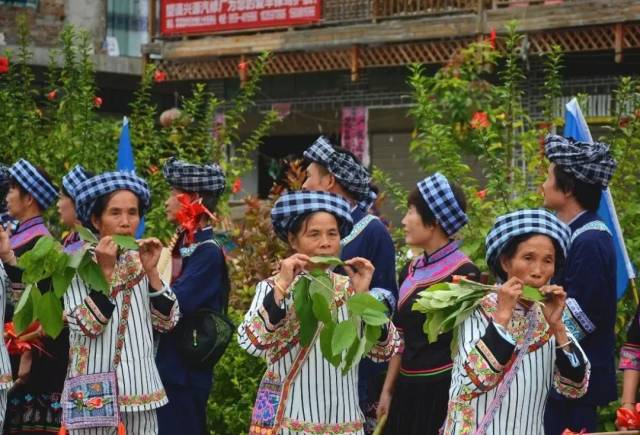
{"x": 200, "y": 284}
{"x": 374, "y": 243}
{"x": 589, "y": 276}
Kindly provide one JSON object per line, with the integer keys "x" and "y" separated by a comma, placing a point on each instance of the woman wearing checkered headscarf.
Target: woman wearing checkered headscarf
{"x": 200, "y": 280}
{"x": 511, "y": 351}
{"x": 578, "y": 174}
{"x": 418, "y": 379}
{"x": 313, "y": 395}
{"x": 332, "y": 169}
{"x": 41, "y": 373}
{"x": 67, "y": 208}
{"x": 115, "y": 332}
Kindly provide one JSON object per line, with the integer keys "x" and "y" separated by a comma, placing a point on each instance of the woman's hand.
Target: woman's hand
{"x": 384, "y": 404}
{"x": 508, "y": 295}
{"x": 106, "y": 256}
{"x": 553, "y": 305}
{"x": 290, "y": 267}
{"x": 360, "y": 270}
{"x": 6, "y": 253}
{"x": 150, "y": 250}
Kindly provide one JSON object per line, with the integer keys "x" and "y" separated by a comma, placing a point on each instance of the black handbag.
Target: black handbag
{"x": 204, "y": 335}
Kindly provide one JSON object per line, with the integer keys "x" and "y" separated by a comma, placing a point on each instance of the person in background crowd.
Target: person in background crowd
{"x": 67, "y": 208}
{"x": 199, "y": 280}
{"x": 416, "y": 389}
{"x": 338, "y": 171}
{"x": 577, "y": 175}
{"x": 115, "y": 331}
{"x": 510, "y": 350}
{"x": 34, "y": 402}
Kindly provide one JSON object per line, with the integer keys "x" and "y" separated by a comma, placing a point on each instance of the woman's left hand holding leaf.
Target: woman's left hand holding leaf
{"x": 360, "y": 270}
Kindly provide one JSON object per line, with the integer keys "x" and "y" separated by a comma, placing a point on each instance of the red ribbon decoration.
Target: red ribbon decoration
{"x": 189, "y": 215}
{"x": 4, "y": 64}
{"x": 15, "y": 343}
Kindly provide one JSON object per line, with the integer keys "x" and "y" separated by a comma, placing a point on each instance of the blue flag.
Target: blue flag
{"x": 126, "y": 162}
{"x": 576, "y": 127}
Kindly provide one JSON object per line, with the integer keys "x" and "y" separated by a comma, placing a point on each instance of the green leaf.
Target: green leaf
{"x": 125, "y": 242}
{"x": 354, "y": 354}
{"x": 92, "y": 275}
{"x": 75, "y": 259}
{"x": 326, "y": 260}
{"x": 532, "y": 294}
{"x": 344, "y": 335}
{"x": 49, "y": 312}
{"x": 373, "y": 317}
{"x": 360, "y": 302}
{"x": 24, "y": 298}
{"x": 23, "y": 318}
{"x": 372, "y": 335}
{"x": 43, "y": 247}
{"x": 321, "y": 308}
{"x": 304, "y": 310}
{"x": 322, "y": 284}
{"x": 62, "y": 280}
{"x": 325, "y": 345}
{"x": 86, "y": 235}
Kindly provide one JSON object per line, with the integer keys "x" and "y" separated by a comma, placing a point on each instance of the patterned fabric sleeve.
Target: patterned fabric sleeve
{"x": 87, "y": 311}
{"x": 165, "y": 312}
{"x": 389, "y": 346}
{"x": 483, "y": 352}
{"x": 576, "y": 320}
{"x": 262, "y": 333}
{"x": 630, "y": 351}
{"x": 571, "y": 378}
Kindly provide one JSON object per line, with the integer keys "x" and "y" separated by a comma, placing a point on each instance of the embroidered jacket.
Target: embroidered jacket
{"x": 95, "y": 323}
{"x": 319, "y": 399}
{"x": 484, "y": 359}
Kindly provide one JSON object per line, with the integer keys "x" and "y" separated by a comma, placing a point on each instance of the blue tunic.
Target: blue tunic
{"x": 201, "y": 284}
{"x": 589, "y": 276}
{"x": 375, "y": 244}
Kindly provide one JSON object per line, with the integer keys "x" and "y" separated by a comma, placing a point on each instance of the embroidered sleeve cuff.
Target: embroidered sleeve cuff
{"x": 504, "y": 333}
{"x": 486, "y": 361}
{"x": 386, "y": 297}
{"x": 630, "y": 357}
{"x": 274, "y": 312}
{"x": 571, "y": 364}
{"x": 499, "y": 345}
{"x": 576, "y": 321}
{"x": 163, "y": 304}
{"x": 387, "y": 348}
{"x": 165, "y": 312}
{"x": 94, "y": 314}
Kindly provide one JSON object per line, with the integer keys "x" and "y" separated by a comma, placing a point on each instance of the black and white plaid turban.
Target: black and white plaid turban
{"x": 194, "y": 178}
{"x": 73, "y": 179}
{"x": 5, "y": 176}
{"x": 526, "y": 221}
{"x": 33, "y": 182}
{"x": 588, "y": 162}
{"x": 103, "y": 184}
{"x": 350, "y": 173}
{"x": 292, "y": 205}
{"x": 439, "y": 197}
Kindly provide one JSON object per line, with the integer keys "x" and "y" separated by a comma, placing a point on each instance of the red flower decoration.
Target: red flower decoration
{"x": 95, "y": 402}
{"x": 480, "y": 120}
{"x": 4, "y": 64}
{"x": 482, "y": 194}
{"x": 153, "y": 169}
{"x": 492, "y": 38}
{"x": 18, "y": 344}
{"x": 243, "y": 66}
{"x": 189, "y": 215}
{"x": 159, "y": 76}
{"x": 97, "y": 101}
{"x": 237, "y": 186}
{"x": 628, "y": 418}
{"x": 52, "y": 95}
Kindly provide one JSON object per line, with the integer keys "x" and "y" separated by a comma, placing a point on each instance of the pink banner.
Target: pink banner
{"x": 355, "y": 132}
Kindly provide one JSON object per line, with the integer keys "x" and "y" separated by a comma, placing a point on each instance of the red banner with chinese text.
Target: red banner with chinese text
{"x": 179, "y": 17}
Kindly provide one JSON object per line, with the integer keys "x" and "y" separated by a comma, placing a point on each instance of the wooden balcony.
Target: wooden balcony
{"x": 356, "y": 34}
